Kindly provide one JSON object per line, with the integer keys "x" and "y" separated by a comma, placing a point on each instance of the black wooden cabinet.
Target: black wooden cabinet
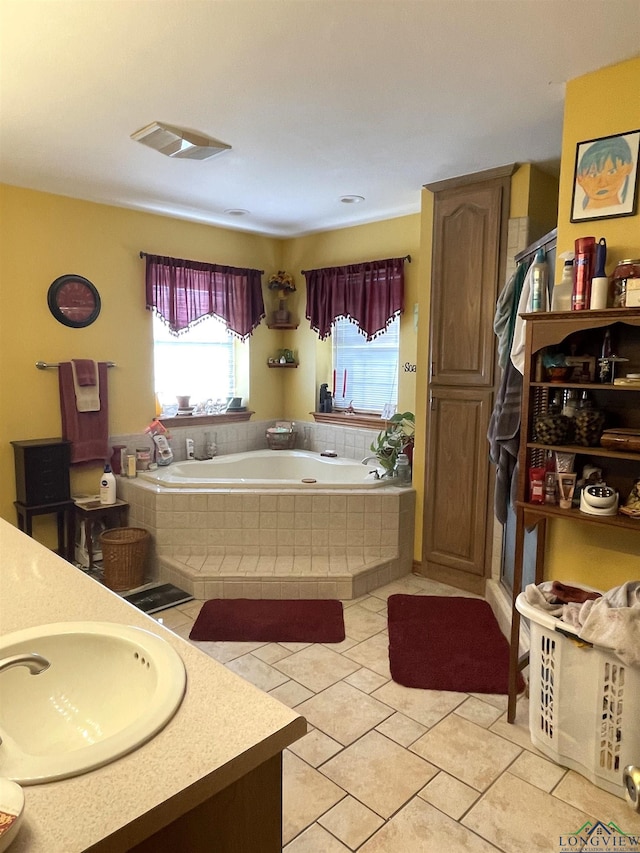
{"x": 42, "y": 470}
{"x": 43, "y": 487}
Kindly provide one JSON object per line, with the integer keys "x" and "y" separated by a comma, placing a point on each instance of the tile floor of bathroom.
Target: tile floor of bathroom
{"x": 389, "y": 769}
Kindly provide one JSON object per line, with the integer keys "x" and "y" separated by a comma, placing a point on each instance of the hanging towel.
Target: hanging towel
{"x": 86, "y": 385}
{"x": 504, "y": 439}
{"x": 88, "y": 431}
{"x": 519, "y": 330}
{"x": 86, "y": 371}
{"x": 505, "y": 316}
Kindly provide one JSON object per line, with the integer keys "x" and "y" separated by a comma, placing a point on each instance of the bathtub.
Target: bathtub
{"x": 267, "y": 469}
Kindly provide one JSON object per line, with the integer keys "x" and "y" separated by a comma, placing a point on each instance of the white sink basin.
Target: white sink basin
{"x": 109, "y": 689}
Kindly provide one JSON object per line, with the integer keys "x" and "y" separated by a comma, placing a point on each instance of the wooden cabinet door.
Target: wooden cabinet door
{"x": 456, "y": 506}
{"x": 469, "y": 249}
{"x": 464, "y": 289}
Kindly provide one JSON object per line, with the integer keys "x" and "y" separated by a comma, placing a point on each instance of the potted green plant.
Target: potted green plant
{"x": 283, "y": 283}
{"x": 396, "y": 438}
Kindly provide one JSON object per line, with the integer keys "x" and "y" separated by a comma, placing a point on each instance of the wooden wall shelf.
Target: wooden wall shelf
{"x": 282, "y": 325}
{"x": 287, "y": 364}
{"x": 584, "y": 329}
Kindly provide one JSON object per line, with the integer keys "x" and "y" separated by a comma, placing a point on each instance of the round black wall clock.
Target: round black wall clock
{"x": 74, "y": 301}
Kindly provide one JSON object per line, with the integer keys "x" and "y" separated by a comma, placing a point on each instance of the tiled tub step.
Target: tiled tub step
{"x": 279, "y": 577}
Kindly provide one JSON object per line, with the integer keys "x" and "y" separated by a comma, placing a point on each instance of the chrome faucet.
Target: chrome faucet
{"x": 368, "y": 459}
{"x": 34, "y": 662}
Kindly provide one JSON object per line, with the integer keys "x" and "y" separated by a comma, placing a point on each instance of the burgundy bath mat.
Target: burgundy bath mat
{"x": 270, "y": 621}
{"x": 440, "y": 643}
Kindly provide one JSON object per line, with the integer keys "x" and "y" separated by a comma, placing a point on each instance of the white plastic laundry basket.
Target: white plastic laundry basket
{"x": 584, "y": 702}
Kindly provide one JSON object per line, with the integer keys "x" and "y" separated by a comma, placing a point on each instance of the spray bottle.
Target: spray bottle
{"x": 539, "y": 282}
{"x": 158, "y": 432}
{"x": 584, "y": 264}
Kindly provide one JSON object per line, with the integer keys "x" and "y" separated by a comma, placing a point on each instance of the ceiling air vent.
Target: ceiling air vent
{"x": 179, "y": 142}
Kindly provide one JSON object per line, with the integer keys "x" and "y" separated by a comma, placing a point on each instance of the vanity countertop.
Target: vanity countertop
{"x": 224, "y": 728}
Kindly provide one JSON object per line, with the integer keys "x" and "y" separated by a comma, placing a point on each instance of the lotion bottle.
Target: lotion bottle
{"x": 107, "y": 487}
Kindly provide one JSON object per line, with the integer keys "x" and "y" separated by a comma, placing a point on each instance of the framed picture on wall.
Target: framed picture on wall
{"x": 605, "y": 181}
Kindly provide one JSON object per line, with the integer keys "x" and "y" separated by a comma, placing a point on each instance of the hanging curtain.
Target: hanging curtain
{"x": 369, "y": 294}
{"x": 184, "y": 292}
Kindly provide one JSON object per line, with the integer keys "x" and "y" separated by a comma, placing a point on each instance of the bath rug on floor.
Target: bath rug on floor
{"x": 158, "y": 597}
{"x": 440, "y": 643}
{"x": 270, "y": 621}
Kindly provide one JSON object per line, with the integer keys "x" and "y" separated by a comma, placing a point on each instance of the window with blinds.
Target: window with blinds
{"x": 366, "y": 373}
{"x": 199, "y": 362}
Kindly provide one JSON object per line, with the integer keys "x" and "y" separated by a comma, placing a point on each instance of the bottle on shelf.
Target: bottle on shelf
{"x": 561, "y": 296}
{"x": 107, "y": 486}
{"x": 584, "y": 264}
{"x": 539, "y": 282}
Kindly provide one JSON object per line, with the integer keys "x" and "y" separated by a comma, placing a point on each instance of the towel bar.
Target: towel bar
{"x": 43, "y": 365}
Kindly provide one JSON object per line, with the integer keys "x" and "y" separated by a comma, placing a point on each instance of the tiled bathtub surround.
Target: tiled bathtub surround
{"x": 246, "y": 537}
{"x": 250, "y": 435}
{"x": 282, "y": 544}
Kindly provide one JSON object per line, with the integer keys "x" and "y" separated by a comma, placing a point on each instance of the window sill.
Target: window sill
{"x": 344, "y": 419}
{"x": 207, "y": 420}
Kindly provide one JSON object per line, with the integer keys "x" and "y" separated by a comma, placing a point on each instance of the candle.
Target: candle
{"x": 344, "y": 384}
{"x": 334, "y": 385}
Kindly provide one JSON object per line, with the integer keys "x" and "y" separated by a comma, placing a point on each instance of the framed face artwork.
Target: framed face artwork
{"x": 605, "y": 182}
{"x": 74, "y": 301}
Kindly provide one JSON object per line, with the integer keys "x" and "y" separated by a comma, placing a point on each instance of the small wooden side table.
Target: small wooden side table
{"x": 89, "y": 512}
{"x": 64, "y": 511}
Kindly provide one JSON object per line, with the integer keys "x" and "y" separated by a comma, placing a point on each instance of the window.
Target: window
{"x": 199, "y": 363}
{"x": 367, "y": 371}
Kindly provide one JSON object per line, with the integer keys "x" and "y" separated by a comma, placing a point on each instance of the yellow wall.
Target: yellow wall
{"x": 599, "y": 104}
{"x": 45, "y": 236}
{"x": 388, "y": 239}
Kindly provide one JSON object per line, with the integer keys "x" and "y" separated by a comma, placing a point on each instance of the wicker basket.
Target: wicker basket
{"x": 124, "y": 553}
{"x": 277, "y": 440}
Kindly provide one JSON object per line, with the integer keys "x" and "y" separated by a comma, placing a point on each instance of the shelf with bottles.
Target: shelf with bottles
{"x": 533, "y": 512}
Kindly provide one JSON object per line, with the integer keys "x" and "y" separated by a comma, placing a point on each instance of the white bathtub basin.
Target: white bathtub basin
{"x": 109, "y": 689}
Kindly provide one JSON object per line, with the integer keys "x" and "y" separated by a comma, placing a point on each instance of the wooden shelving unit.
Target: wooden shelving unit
{"x": 584, "y": 330}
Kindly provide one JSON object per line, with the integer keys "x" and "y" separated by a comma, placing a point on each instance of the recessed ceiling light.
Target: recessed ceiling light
{"x": 236, "y": 211}
{"x": 179, "y": 142}
{"x": 351, "y": 199}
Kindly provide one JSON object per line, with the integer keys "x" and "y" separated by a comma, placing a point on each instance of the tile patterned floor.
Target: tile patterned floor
{"x": 389, "y": 769}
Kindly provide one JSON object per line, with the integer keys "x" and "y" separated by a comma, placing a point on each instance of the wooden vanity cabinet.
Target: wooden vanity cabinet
{"x": 582, "y": 332}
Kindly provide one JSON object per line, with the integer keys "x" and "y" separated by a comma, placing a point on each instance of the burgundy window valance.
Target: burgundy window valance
{"x": 185, "y": 292}
{"x": 370, "y": 294}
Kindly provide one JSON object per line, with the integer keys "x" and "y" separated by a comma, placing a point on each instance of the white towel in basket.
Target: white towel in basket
{"x": 611, "y": 621}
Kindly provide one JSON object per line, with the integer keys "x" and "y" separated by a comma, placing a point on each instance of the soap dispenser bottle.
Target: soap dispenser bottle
{"x": 107, "y": 486}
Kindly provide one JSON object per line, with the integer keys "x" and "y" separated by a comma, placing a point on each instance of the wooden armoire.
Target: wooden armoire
{"x": 471, "y": 216}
